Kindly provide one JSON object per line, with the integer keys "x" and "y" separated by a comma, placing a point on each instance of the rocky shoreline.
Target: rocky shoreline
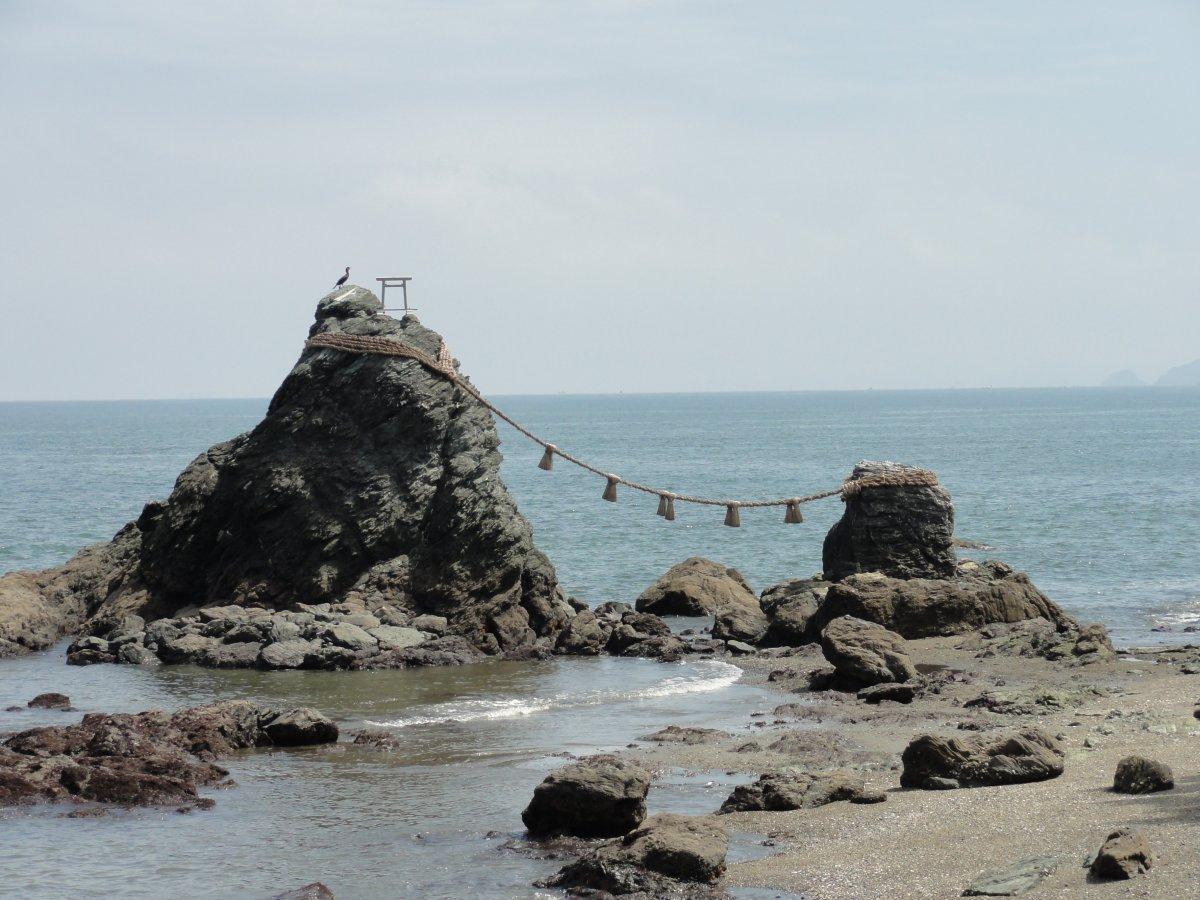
{"x": 943, "y": 727}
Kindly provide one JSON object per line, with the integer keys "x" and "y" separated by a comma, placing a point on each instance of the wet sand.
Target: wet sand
{"x": 935, "y": 843}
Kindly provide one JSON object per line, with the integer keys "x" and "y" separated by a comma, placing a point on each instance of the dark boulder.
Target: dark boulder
{"x": 1139, "y": 775}
{"x": 787, "y": 790}
{"x": 300, "y": 728}
{"x": 667, "y": 853}
{"x": 1124, "y": 854}
{"x": 889, "y": 692}
{"x": 371, "y": 480}
{"x": 864, "y": 653}
{"x": 924, "y": 607}
{"x": 598, "y": 796}
{"x": 697, "y": 587}
{"x": 899, "y": 530}
{"x": 50, "y": 701}
{"x": 314, "y": 891}
{"x": 791, "y": 610}
{"x": 936, "y": 762}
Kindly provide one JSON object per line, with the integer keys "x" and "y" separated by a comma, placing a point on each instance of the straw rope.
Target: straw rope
{"x": 444, "y": 365}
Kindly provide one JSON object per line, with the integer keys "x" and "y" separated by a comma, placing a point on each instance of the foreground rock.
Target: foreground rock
{"x": 668, "y": 856}
{"x": 151, "y": 758}
{"x": 1013, "y": 880}
{"x": 372, "y": 485}
{"x": 903, "y": 531}
{"x": 1123, "y": 855}
{"x": 865, "y": 654}
{"x": 314, "y": 891}
{"x": 598, "y": 796}
{"x": 934, "y": 762}
{"x": 697, "y": 587}
{"x": 787, "y": 790}
{"x": 1139, "y": 775}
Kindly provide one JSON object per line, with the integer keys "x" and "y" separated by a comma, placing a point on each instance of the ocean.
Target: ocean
{"x": 1093, "y": 492}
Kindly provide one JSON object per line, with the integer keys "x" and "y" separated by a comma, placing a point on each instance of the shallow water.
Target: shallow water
{"x": 425, "y": 821}
{"x": 1092, "y": 491}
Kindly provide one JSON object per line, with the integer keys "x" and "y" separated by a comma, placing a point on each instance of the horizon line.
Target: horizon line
{"x": 871, "y": 390}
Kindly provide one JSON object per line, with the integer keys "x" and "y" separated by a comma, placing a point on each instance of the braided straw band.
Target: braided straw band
{"x": 444, "y": 366}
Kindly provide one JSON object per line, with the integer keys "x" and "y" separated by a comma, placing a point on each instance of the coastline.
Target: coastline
{"x": 922, "y": 843}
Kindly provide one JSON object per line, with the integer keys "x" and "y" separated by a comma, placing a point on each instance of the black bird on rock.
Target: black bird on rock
{"x": 342, "y": 280}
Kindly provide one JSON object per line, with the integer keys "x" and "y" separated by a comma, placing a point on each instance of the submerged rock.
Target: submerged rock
{"x": 662, "y": 858}
{"x": 598, "y": 796}
{"x": 787, "y": 790}
{"x": 371, "y": 487}
{"x": 151, "y": 758}
{"x": 50, "y": 701}
{"x": 676, "y": 734}
{"x": 936, "y": 762}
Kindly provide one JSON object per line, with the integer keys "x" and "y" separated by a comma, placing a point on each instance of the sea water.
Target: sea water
{"x": 1093, "y": 492}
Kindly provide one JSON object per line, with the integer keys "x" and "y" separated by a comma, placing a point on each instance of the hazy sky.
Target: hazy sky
{"x": 604, "y": 196}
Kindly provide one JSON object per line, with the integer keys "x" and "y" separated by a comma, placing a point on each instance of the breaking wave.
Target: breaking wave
{"x": 705, "y": 676}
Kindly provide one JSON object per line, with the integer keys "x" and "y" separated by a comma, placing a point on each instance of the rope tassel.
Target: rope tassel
{"x": 547, "y": 462}
{"x": 662, "y": 505}
{"x": 610, "y": 490}
{"x": 793, "y": 516}
{"x": 669, "y": 515}
{"x": 733, "y": 517}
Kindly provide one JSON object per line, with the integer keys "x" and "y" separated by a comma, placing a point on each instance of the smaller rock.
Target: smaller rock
{"x": 290, "y": 654}
{"x": 377, "y": 738}
{"x": 300, "y": 727}
{"x": 598, "y": 796}
{"x": 351, "y": 637}
{"x": 1139, "y": 775}
{"x": 865, "y": 653}
{"x": 894, "y": 693}
{"x": 934, "y": 762}
{"x": 391, "y": 637}
{"x": 675, "y": 734}
{"x": 433, "y": 624}
{"x": 1124, "y": 854}
{"x": 793, "y": 789}
{"x": 50, "y": 701}
{"x": 1013, "y": 880}
{"x": 740, "y": 648}
{"x": 314, "y": 891}
{"x": 666, "y": 851}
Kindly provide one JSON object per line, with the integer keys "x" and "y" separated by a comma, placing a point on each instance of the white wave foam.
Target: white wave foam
{"x": 708, "y": 675}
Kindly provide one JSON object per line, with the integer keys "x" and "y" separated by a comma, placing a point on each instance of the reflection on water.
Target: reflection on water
{"x": 410, "y": 823}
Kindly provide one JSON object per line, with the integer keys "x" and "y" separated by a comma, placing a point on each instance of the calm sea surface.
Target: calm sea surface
{"x": 1094, "y": 492}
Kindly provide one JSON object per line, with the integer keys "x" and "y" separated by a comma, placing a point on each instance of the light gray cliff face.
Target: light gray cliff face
{"x": 371, "y": 481}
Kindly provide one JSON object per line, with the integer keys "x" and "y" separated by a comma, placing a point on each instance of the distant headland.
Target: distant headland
{"x": 1187, "y": 375}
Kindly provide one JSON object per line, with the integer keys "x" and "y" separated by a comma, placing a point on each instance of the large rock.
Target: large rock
{"x": 793, "y": 789}
{"x": 697, "y": 587}
{"x": 371, "y": 480}
{"x": 905, "y": 531}
{"x": 598, "y": 796}
{"x": 864, "y": 653}
{"x": 925, "y": 607}
{"x": 1124, "y": 854}
{"x": 652, "y": 861}
{"x": 936, "y": 762}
